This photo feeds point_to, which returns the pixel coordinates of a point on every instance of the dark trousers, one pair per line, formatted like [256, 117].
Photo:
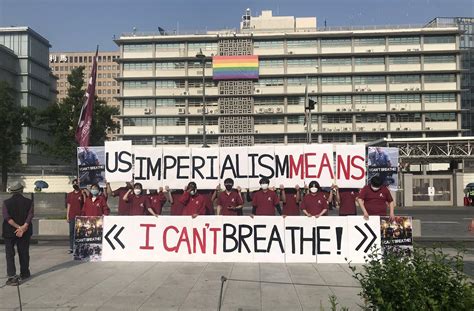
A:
[23, 248]
[71, 233]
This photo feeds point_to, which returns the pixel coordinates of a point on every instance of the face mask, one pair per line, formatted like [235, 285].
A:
[264, 186]
[375, 188]
[228, 187]
[76, 187]
[94, 192]
[313, 189]
[192, 192]
[137, 191]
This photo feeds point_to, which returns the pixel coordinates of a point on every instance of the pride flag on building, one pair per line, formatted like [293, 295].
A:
[243, 67]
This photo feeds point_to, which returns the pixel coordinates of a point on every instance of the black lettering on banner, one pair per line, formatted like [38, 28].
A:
[107, 167]
[120, 159]
[229, 236]
[320, 252]
[141, 168]
[237, 164]
[168, 166]
[196, 167]
[242, 237]
[182, 166]
[264, 165]
[293, 238]
[282, 167]
[252, 157]
[275, 236]
[213, 158]
[312, 239]
[228, 165]
[256, 238]
[154, 169]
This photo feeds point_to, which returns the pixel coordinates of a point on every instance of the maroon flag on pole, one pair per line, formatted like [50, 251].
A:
[84, 125]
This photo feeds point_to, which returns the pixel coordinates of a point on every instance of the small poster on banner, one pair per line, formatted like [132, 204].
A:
[91, 166]
[383, 162]
[397, 233]
[88, 238]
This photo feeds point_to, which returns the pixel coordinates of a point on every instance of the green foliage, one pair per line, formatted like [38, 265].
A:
[61, 120]
[427, 280]
[12, 119]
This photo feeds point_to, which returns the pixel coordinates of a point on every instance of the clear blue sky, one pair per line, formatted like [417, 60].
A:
[72, 25]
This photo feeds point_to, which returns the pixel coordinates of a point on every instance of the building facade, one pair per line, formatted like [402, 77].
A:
[368, 84]
[24, 65]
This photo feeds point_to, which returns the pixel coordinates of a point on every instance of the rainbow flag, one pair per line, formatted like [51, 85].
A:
[235, 67]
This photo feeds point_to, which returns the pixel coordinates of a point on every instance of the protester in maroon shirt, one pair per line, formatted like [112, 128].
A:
[210, 196]
[123, 206]
[95, 205]
[291, 198]
[158, 199]
[229, 201]
[314, 203]
[346, 198]
[265, 200]
[139, 201]
[193, 202]
[176, 206]
[74, 202]
[374, 199]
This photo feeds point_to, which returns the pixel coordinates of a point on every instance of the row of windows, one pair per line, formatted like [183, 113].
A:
[167, 121]
[81, 59]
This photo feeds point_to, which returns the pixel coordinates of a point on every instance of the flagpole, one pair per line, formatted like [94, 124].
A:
[307, 112]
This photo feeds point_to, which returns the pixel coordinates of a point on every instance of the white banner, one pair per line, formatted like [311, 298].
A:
[176, 167]
[205, 176]
[148, 167]
[350, 166]
[118, 161]
[240, 239]
[318, 164]
[234, 164]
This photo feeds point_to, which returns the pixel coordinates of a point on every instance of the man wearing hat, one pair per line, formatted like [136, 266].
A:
[17, 216]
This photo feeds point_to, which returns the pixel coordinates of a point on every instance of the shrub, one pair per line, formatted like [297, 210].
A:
[426, 280]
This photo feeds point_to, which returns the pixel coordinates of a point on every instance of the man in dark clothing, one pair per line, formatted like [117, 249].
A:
[17, 216]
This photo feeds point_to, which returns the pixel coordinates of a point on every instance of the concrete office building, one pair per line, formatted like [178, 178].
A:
[369, 83]
[24, 65]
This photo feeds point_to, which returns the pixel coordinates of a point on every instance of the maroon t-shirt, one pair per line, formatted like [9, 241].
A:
[123, 206]
[375, 201]
[209, 204]
[314, 203]
[156, 202]
[231, 199]
[290, 207]
[265, 202]
[348, 204]
[193, 204]
[177, 207]
[98, 207]
[75, 200]
[139, 204]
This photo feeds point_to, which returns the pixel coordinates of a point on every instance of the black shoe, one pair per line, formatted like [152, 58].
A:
[12, 281]
[24, 277]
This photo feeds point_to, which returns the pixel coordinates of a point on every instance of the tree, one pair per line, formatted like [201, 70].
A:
[12, 119]
[62, 118]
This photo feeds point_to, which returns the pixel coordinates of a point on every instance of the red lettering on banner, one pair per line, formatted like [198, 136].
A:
[215, 230]
[294, 168]
[147, 236]
[184, 238]
[197, 238]
[308, 166]
[359, 167]
[325, 163]
[343, 167]
[165, 243]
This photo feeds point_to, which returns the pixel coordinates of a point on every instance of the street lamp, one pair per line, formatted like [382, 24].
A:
[200, 55]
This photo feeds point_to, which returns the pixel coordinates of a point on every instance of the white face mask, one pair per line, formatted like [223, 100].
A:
[375, 188]
[137, 191]
[264, 186]
[313, 189]
[192, 192]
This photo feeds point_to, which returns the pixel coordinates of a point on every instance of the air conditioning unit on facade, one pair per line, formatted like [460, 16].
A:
[261, 110]
[269, 110]
[279, 110]
[181, 110]
[147, 111]
[369, 51]
[290, 52]
[185, 93]
[211, 132]
[257, 91]
[256, 131]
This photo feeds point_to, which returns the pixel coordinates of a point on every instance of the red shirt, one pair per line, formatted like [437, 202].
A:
[95, 208]
[139, 204]
[290, 207]
[177, 207]
[209, 204]
[75, 200]
[193, 204]
[264, 202]
[231, 199]
[157, 201]
[123, 206]
[375, 202]
[314, 203]
[348, 204]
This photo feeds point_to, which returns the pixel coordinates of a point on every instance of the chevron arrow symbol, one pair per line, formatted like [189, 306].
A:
[116, 237]
[365, 238]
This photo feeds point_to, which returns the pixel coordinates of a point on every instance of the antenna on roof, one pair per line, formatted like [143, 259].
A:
[246, 19]
[134, 30]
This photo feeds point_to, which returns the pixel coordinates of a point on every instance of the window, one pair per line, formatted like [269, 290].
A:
[138, 84]
[301, 43]
[137, 122]
[404, 60]
[335, 80]
[335, 100]
[440, 116]
[371, 118]
[169, 65]
[139, 140]
[432, 59]
[405, 98]
[267, 120]
[270, 101]
[339, 138]
[170, 121]
[166, 84]
[170, 140]
[440, 98]
[297, 139]
[336, 118]
[439, 39]
[198, 65]
[137, 47]
[369, 80]
[405, 117]
[335, 42]
[302, 62]
[369, 61]
[295, 119]
[270, 82]
[438, 78]
[268, 44]
[198, 121]
[369, 41]
[403, 40]
[369, 99]
[269, 139]
[99, 83]
[169, 102]
[295, 101]
[275, 63]
[137, 66]
[302, 81]
[210, 46]
[336, 61]
[399, 79]
[168, 46]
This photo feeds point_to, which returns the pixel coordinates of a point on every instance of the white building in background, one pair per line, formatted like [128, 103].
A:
[369, 83]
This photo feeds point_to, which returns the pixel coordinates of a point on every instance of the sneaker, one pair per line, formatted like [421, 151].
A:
[24, 277]
[12, 281]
